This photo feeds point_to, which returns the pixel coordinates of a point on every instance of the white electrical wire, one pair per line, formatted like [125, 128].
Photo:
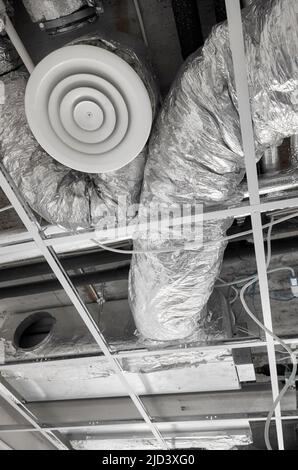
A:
[251, 280]
[241, 281]
[6, 208]
[269, 255]
[292, 355]
[292, 377]
[236, 296]
[269, 250]
[230, 237]
[234, 289]
[244, 330]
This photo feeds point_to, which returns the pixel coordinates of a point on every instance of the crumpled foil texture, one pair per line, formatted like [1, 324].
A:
[60, 195]
[196, 156]
[47, 10]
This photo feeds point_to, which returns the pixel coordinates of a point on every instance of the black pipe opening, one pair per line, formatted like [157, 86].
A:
[188, 24]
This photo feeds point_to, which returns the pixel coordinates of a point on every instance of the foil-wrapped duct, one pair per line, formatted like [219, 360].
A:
[294, 149]
[47, 10]
[196, 157]
[60, 195]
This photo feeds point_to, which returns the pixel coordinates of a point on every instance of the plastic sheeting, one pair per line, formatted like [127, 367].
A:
[196, 156]
[60, 195]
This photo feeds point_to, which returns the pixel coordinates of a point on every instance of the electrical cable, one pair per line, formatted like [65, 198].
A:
[241, 281]
[232, 287]
[135, 252]
[251, 281]
[228, 238]
[236, 296]
[279, 298]
[6, 208]
[292, 377]
[269, 256]
[244, 330]
[292, 355]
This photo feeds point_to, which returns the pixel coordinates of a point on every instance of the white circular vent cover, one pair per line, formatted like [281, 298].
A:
[88, 109]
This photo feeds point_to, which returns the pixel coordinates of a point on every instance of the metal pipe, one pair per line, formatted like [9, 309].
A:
[271, 185]
[70, 263]
[271, 162]
[15, 273]
[15, 39]
[53, 285]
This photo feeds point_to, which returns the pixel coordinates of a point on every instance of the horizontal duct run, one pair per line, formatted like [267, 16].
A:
[81, 261]
[54, 285]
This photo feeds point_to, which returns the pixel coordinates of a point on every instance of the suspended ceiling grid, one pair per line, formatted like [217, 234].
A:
[254, 209]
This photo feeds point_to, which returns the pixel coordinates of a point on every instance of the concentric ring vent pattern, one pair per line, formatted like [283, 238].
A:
[88, 109]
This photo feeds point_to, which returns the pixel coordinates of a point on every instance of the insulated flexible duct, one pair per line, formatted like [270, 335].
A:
[61, 195]
[47, 10]
[196, 157]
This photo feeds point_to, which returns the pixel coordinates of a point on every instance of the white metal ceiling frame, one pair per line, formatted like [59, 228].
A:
[255, 209]
[241, 78]
[23, 242]
[12, 398]
[214, 423]
[50, 256]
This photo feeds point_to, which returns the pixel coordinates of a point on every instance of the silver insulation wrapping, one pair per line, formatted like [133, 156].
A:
[51, 9]
[196, 156]
[61, 195]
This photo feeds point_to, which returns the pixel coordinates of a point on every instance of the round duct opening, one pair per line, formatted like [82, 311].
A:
[34, 331]
[88, 109]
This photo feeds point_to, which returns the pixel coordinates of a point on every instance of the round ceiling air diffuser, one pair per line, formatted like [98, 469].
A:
[88, 109]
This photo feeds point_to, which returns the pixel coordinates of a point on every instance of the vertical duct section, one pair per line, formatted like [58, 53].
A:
[196, 157]
[271, 162]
